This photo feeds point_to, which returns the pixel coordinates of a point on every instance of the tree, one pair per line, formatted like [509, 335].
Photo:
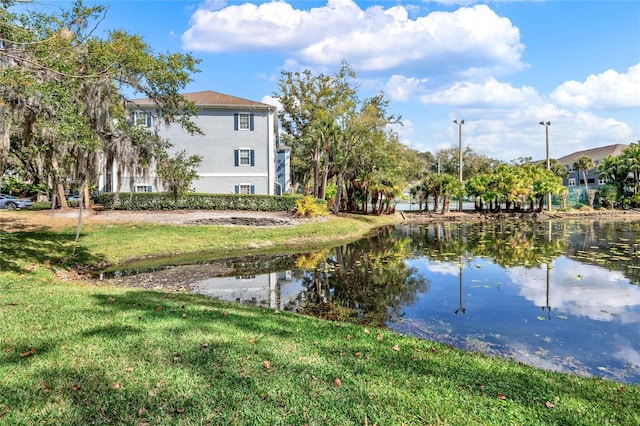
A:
[631, 164]
[61, 93]
[583, 164]
[178, 173]
[311, 108]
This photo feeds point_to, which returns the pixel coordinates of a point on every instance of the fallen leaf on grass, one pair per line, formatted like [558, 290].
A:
[180, 410]
[380, 336]
[549, 404]
[158, 308]
[252, 341]
[358, 354]
[111, 299]
[366, 330]
[502, 396]
[128, 369]
[116, 386]
[204, 345]
[266, 364]
[338, 382]
[30, 352]
[396, 348]
[76, 387]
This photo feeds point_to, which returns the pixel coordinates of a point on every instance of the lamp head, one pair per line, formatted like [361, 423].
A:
[456, 122]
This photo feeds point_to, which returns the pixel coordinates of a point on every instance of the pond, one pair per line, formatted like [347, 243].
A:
[563, 296]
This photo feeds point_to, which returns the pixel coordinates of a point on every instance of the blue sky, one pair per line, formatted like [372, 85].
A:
[502, 66]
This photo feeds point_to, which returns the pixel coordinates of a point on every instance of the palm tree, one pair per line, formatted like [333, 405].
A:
[583, 164]
[631, 163]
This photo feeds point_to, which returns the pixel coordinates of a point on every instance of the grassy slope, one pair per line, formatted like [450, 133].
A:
[76, 354]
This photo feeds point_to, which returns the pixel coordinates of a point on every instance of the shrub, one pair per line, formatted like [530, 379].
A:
[194, 201]
[311, 207]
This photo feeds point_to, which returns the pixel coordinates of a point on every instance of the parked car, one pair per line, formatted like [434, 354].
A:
[11, 202]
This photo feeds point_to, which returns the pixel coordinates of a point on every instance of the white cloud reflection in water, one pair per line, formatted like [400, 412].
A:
[581, 290]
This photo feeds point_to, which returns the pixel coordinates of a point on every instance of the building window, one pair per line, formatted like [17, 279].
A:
[243, 121]
[244, 157]
[572, 181]
[571, 168]
[142, 188]
[245, 188]
[141, 118]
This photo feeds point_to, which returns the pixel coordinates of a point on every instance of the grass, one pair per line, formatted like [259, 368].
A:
[76, 354]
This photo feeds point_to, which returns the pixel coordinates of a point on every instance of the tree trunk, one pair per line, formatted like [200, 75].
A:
[316, 173]
[58, 187]
[336, 205]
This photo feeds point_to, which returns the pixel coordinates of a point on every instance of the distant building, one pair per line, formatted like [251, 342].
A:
[575, 178]
[239, 149]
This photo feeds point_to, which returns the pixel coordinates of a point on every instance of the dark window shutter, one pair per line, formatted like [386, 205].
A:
[148, 120]
[235, 122]
[253, 189]
[150, 188]
[253, 157]
[251, 123]
[236, 156]
[237, 189]
[133, 118]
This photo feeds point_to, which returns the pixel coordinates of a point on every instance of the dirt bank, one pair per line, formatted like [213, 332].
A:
[608, 215]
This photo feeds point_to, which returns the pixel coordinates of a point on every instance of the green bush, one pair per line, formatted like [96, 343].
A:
[194, 201]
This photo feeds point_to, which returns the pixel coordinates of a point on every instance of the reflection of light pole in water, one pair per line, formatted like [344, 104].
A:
[547, 307]
[461, 309]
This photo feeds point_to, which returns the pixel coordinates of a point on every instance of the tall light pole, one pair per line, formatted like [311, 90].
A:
[546, 128]
[459, 123]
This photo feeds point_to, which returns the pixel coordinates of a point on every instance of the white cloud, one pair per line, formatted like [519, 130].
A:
[469, 41]
[270, 100]
[608, 90]
[490, 93]
[401, 88]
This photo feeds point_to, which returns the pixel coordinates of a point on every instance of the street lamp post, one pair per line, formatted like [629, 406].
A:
[546, 128]
[459, 123]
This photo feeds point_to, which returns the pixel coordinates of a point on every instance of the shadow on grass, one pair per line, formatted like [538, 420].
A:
[19, 250]
[177, 358]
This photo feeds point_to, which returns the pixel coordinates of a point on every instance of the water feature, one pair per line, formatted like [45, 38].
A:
[562, 296]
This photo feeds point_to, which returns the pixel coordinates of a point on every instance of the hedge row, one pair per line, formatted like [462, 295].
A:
[194, 201]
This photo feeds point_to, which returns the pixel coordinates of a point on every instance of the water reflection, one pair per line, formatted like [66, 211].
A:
[561, 296]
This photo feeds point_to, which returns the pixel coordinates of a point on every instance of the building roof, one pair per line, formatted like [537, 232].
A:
[210, 99]
[595, 154]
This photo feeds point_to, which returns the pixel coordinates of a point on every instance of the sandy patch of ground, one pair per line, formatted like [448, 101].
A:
[14, 221]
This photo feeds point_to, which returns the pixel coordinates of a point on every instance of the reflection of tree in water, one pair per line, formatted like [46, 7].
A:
[508, 243]
[612, 245]
[366, 281]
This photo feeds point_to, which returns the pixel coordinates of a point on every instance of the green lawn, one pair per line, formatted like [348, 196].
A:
[77, 354]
